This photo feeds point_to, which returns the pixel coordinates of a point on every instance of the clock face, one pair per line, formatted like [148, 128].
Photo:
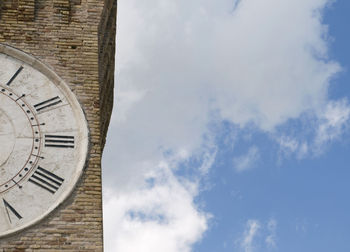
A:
[43, 140]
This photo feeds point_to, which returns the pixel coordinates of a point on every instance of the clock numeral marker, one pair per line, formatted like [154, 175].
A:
[59, 141]
[14, 76]
[46, 180]
[9, 207]
[48, 103]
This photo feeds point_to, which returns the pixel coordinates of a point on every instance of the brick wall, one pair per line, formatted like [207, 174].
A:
[106, 66]
[76, 38]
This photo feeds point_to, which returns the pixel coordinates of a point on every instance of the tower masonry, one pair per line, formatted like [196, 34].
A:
[57, 62]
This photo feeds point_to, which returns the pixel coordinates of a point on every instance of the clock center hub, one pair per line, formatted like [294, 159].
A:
[7, 137]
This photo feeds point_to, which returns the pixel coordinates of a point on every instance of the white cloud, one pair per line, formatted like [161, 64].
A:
[257, 235]
[159, 217]
[247, 161]
[333, 122]
[250, 233]
[290, 145]
[271, 238]
[182, 66]
[329, 124]
[273, 71]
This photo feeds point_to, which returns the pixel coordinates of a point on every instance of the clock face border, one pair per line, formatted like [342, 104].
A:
[82, 122]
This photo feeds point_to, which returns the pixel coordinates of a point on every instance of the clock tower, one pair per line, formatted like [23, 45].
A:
[56, 97]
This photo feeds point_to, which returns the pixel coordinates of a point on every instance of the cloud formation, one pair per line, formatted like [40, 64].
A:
[271, 239]
[324, 127]
[250, 233]
[159, 217]
[247, 161]
[183, 66]
[257, 236]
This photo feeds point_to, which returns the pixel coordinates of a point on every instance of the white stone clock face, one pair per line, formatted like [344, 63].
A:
[43, 140]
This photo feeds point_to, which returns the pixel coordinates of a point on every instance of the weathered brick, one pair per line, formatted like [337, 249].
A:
[76, 38]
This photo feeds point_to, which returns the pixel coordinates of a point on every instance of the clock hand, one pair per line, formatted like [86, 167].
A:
[37, 156]
[23, 95]
[41, 124]
[20, 187]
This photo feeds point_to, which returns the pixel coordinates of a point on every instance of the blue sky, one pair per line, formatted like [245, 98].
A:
[231, 127]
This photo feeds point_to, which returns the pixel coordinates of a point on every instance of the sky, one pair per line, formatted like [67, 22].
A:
[230, 130]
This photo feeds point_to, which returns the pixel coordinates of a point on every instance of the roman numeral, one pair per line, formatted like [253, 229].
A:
[9, 209]
[14, 76]
[59, 141]
[48, 103]
[46, 180]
